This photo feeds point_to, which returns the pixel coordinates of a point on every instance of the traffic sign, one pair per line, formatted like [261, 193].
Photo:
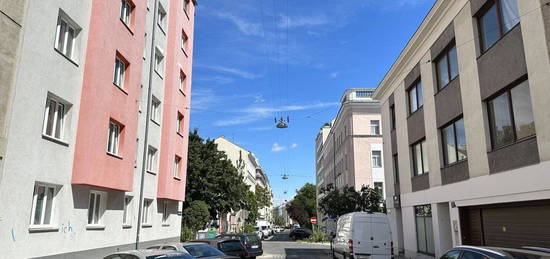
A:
[313, 220]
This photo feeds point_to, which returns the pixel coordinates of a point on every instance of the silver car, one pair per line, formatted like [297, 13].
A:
[149, 254]
[196, 250]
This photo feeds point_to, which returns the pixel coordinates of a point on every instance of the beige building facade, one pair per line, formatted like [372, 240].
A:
[466, 131]
[349, 149]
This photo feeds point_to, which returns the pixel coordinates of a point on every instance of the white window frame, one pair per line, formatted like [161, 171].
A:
[126, 12]
[119, 72]
[155, 110]
[161, 17]
[66, 26]
[177, 167]
[127, 211]
[147, 212]
[113, 138]
[60, 107]
[152, 159]
[165, 214]
[98, 208]
[44, 204]
[375, 128]
[183, 81]
[159, 61]
[377, 157]
[179, 126]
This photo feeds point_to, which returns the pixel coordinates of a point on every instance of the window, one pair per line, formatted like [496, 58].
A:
[151, 159]
[376, 158]
[114, 138]
[453, 139]
[125, 12]
[375, 127]
[54, 119]
[184, 39]
[497, 20]
[447, 67]
[424, 229]
[65, 36]
[120, 69]
[392, 117]
[177, 166]
[165, 213]
[155, 110]
[363, 94]
[453, 254]
[96, 207]
[179, 125]
[186, 7]
[396, 168]
[159, 62]
[43, 202]
[416, 99]
[380, 187]
[420, 158]
[183, 78]
[161, 17]
[147, 210]
[511, 116]
[126, 213]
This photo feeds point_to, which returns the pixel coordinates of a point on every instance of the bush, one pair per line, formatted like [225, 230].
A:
[187, 234]
[248, 229]
[318, 236]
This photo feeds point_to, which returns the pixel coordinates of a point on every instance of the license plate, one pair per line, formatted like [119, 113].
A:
[255, 246]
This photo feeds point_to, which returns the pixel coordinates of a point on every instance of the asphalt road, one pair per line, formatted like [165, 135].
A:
[280, 246]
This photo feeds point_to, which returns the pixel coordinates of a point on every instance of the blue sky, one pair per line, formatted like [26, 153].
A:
[259, 59]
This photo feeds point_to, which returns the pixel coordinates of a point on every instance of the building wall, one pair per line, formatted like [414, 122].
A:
[491, 179]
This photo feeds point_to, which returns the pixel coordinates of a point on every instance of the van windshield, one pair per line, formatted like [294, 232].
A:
[264, 227]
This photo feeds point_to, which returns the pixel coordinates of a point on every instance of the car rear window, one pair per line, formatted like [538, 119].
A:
[252, 240]
[202, 250]
[230, 246]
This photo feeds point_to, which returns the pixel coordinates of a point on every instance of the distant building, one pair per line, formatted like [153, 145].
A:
[348, 151]
[74, 80]
[468, 127]
[249, 167]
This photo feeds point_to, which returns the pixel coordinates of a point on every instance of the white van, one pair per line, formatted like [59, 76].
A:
[363, 235]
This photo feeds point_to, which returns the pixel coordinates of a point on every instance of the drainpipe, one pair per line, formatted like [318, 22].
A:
[147, 115]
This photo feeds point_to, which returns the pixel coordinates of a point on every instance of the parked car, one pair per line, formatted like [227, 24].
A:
[299, 233]
[197, 250]
[278, 229]
[149, 254]
[227, 246]
[251, 242]
[259, 233]
[474, 252]
[363, 235]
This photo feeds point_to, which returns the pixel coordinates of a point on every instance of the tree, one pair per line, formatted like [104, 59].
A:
[303, 206]
[251, 206]
[212, 178]
[337, 202]
[263, 197]
[279, 220]
[196, 215]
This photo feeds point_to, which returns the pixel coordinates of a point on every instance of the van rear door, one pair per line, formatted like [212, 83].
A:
[381, 243]
[362, 233]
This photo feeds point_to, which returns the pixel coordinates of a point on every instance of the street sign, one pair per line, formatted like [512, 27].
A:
[313, 220]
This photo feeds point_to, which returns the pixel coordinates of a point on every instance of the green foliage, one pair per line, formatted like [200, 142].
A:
[279, 220]
[318, 236]
[196, 215]
[303, 206]
[248, 228]
[187, 234]
[339, 202]
[263, 197]
[212, 178]
[251, 206]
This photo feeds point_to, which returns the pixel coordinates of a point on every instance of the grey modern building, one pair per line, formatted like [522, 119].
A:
[467, 128]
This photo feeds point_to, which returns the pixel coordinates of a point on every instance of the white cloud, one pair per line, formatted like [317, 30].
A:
[259, 98]
[302, 21]
[277, 148]
[294, 145]
[229, 70]
[216, 79]
[246, 27]
[334, 74]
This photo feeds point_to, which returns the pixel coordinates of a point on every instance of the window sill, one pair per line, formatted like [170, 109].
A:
[161, 28]
[417, 110]
[182, 92]
[120, 88]
[184, 52]
[187, 15]
[439, 90]
[127, 27]
[420, 175]
[148, 225]
[482, 52]
[159, 74]
[114, 155]
[494, 149]
[179, 134]
[126, 226]
[156, 122]
[455, 163]
[151, 172]
[58, 141]
[177, 178]
[95, 227]
[165, 224]
[38, 229]
[65, 56]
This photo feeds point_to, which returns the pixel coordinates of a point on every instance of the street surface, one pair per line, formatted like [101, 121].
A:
[280, 246]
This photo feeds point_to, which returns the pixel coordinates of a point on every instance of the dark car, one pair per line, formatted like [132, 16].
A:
[477, 252]
[251, 242]
[299, 233]
[227, 246]
[148, 254]
[196, 250]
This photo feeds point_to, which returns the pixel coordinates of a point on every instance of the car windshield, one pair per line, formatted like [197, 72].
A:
[264, 227]
[231, 246]
[252, 240]
[202, 250]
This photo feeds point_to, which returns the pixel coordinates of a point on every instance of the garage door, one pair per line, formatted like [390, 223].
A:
[507, 225]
